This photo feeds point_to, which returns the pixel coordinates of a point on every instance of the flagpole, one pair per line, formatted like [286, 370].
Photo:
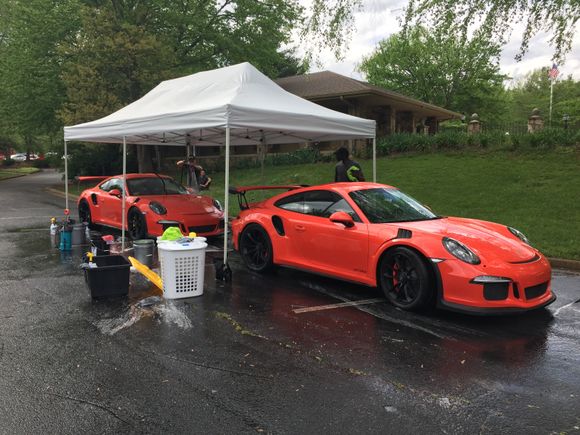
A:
[552, 73]
[551, 97]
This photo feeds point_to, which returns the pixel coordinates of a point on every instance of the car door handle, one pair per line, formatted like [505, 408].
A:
[300, 228]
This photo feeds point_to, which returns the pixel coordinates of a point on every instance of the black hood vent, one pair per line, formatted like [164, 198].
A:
[404, 234]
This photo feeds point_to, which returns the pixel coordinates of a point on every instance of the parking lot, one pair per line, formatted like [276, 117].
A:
[265, 353]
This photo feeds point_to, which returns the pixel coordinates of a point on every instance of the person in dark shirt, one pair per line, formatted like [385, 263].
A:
[204, 180]
[346, 169]
[193, 170]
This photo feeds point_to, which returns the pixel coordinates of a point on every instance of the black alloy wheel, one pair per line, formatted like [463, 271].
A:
[256, 248]
[137, 225]
[85, 214]
[406, 280]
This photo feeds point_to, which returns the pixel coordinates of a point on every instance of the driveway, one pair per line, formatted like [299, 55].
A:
[271, 354]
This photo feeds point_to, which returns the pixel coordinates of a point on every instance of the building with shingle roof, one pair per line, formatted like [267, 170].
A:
[393, 112]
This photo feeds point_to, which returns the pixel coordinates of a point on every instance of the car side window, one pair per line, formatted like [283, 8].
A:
[292, 203]
[117, 184]
[324, 203]
[114, 183]
[106, 186]
[320, 203]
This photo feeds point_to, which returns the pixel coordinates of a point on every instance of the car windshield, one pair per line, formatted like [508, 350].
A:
[383, 205]
[154, 186]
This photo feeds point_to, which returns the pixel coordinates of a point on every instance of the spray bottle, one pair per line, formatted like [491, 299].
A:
[53, 233]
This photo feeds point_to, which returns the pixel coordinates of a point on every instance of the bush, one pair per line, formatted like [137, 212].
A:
[298, 157]
[8, 162]
[41, 164]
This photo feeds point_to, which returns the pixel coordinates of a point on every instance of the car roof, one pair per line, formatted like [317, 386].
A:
[133, 176]
[348, 186]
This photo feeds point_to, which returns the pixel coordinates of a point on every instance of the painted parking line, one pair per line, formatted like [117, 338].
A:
[338, 305]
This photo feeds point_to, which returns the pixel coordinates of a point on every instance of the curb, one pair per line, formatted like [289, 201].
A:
[560, 263]
[61, 194]
[13, 176]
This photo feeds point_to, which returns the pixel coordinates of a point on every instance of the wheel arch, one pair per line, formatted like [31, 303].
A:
[264, 221]
[387, 248]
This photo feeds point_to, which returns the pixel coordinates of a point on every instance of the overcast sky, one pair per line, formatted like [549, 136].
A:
[379, 19]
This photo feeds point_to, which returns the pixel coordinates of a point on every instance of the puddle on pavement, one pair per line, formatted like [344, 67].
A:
[163, 310]
[145, 302]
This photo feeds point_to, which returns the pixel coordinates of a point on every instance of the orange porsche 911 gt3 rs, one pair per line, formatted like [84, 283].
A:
[376, 235]
[153, 202]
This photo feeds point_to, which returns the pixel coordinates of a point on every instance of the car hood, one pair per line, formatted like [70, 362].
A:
[487, 239]
[183, 204]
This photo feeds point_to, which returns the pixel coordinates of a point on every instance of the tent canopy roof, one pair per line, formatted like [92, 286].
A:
[197, 108]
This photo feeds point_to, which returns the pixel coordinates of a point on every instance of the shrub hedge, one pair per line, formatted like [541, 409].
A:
[449, 139]
[455, 140]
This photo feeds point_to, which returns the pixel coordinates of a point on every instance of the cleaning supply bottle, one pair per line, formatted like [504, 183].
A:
[53, 233]
[66, 237]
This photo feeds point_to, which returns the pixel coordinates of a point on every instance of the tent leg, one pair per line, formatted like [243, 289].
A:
[223, 272]
[65, 176]
[375, 158]
[123, 219]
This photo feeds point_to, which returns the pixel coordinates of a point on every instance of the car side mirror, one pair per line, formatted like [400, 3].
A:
[115, 192]
[342, 217]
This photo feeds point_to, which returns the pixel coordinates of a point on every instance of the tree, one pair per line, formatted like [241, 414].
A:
[126, 47]
[439, 68]
[495, 19]
[534, 91]
[31, 90]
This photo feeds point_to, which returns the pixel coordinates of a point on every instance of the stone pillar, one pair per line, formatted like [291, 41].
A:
[535, 121]
[474, 125]
[393, 121]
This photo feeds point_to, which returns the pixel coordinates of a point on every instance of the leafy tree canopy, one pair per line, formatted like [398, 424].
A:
[495, 19]
[439, 68]
[30, 89]
[534, 91]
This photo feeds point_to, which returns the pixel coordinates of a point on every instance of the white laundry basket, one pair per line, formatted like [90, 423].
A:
[182, 268]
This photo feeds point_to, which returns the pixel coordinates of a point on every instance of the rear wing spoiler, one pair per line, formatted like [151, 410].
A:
[87, 178]
[241, 192]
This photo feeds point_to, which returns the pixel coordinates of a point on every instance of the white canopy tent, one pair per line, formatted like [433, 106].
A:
[236, 105]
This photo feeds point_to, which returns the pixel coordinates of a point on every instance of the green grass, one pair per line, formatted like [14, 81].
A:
[16, 172]
[538, 193]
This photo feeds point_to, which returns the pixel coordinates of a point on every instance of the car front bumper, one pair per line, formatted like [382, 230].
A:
[520, 287]
[206, 227]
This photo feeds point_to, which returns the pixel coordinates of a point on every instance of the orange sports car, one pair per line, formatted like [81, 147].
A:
[376, 235]
[153, 202]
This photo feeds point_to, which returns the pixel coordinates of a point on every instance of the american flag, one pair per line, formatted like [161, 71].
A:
[553, 72]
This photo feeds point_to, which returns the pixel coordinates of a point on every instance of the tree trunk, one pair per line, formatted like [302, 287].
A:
[144, 158]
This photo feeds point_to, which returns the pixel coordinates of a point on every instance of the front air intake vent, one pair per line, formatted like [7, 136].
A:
[536, 291]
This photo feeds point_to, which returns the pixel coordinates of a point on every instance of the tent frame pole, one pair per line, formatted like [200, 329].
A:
[124, 218]
[375, 158]
[65, 175]
[226, 195]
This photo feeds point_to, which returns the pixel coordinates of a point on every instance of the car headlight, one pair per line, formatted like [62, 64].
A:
[157, 207]
[519, 235]
[460, 251]
[218, 205]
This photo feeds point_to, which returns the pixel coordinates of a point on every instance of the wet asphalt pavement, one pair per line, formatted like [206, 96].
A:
[239, 359]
